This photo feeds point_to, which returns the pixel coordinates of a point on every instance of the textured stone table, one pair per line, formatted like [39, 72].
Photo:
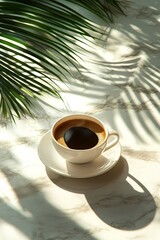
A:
[121, 87]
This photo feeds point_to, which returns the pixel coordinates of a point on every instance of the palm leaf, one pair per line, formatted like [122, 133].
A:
[39, 43]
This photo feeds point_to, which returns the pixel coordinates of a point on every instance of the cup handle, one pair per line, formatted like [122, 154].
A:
[114, 141]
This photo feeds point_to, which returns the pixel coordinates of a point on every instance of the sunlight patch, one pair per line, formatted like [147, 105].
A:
[9, 231]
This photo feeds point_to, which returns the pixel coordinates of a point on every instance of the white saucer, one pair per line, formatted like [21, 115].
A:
[51, 159]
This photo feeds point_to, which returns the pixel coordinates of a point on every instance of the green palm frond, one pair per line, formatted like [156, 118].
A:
[39, 42]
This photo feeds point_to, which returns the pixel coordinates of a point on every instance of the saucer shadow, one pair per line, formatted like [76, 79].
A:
[122, 207]
[112, 198]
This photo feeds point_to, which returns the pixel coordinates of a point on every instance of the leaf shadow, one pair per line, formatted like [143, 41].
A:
[121, 74]
[26, 210]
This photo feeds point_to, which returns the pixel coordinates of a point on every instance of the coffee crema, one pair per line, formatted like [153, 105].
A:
[94, 136]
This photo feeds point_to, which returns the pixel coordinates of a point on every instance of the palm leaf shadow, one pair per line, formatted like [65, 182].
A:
[37, 216]
[131, 82]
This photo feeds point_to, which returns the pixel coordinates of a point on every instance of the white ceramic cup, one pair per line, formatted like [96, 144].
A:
[83, 155]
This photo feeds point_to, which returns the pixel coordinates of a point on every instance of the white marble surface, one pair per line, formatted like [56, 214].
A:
[122, 87]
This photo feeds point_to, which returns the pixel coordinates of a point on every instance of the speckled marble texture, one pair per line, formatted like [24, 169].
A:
[121, 87]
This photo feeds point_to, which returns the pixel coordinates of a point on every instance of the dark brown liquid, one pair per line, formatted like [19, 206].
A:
[78, 140]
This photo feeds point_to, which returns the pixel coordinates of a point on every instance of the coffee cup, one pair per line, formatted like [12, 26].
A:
[80, 138]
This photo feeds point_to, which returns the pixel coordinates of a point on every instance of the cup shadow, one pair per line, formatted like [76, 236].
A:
[113, 196]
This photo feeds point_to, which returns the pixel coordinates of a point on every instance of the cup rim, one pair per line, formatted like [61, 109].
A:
[60, 120]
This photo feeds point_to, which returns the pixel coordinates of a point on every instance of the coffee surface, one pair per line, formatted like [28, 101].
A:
[80, 138]
[61, 131]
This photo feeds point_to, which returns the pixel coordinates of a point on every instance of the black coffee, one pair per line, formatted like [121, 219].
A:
[80, 138]
[79, 134]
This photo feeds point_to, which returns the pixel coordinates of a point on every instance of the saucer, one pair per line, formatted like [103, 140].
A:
[51, 159]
